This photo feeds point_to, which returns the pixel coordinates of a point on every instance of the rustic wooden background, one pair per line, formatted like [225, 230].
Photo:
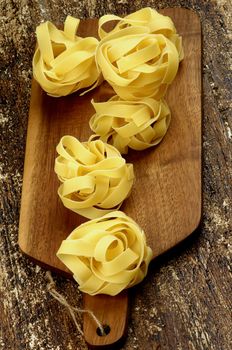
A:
[185, 302]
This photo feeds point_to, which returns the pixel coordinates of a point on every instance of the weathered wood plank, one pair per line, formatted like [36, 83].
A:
[185, 301]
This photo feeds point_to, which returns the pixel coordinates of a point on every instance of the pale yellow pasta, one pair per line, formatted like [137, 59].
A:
[146, 17]
[137, 64]
[95, 178]
[63, 62]
[106, 255]
[134, 124]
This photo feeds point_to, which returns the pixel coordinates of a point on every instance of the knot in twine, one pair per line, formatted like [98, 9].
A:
[95, 177]
[134, 124]
[51, 287]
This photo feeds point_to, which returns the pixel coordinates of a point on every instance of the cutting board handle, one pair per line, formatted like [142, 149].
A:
[112, 312]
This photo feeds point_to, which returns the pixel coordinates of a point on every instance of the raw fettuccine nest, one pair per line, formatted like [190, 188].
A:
[154, 22]
[106, 255]
[63, 62]
[135, 124]
[136, 63]
[140, 56]
[95, 177]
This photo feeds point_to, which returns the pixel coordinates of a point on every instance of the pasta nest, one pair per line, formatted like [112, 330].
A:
[153, 21]
[134, 124]
[140, 56]
[63, 62]
[106, 255]
[95, 177]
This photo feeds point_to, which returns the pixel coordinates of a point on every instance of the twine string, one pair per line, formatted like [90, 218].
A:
[51, 287]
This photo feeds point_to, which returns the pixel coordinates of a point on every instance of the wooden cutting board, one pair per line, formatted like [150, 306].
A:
[166, 197]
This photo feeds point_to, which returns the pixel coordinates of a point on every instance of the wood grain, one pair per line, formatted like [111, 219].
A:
[166, 197]
[112, 312]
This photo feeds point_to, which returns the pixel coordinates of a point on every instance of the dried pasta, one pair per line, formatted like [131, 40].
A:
[63, 62]
[134, 124]
[155, 22]
[95, 177]
[106, 255]
[136, 63]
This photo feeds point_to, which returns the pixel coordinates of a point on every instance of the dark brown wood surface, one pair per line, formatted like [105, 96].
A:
[185, 301]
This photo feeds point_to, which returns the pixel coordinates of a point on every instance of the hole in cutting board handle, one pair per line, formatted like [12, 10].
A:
[106, 328]
[111, 311]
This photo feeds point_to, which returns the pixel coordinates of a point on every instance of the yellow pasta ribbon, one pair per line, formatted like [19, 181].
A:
[95, 178]
[155, 22]
[106, 255]
[137, 64]
[135, 124]
[63, 62]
